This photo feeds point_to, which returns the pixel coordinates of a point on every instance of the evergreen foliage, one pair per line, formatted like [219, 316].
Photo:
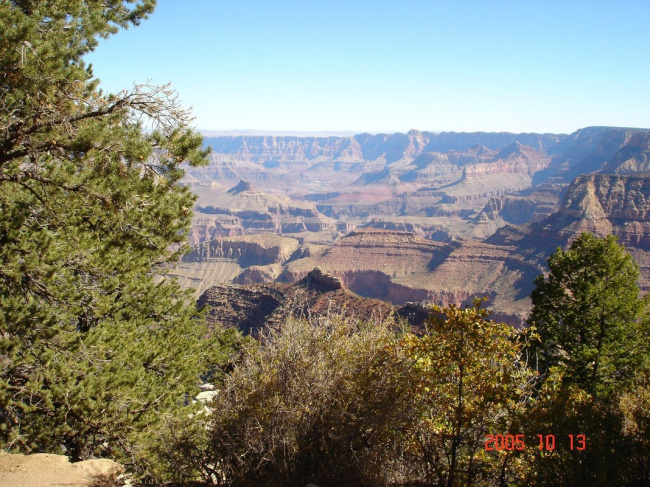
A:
[93, 351]
[593, 356]
[589, 316]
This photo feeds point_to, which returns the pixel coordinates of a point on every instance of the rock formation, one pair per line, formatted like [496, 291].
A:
[245, 209]
[602, 204]
[251, 307]
[320, 281]
[492, 207]
[261, 249]
[310, 184]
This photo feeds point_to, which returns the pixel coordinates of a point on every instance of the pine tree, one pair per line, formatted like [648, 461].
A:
[593, 349]
[589, 315]
[94, 352]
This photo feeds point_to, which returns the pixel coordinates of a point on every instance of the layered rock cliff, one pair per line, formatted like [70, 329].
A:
[604, 204]
[585, 151]
[248, 250]
[496, 211]
[400, 267]
[245, 209]
[633, 157]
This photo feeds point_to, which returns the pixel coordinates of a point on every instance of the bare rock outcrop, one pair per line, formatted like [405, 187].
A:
[518, 210]
[243, 186]
[400, 267]
[256, 275]
[586, 151]
[321, 281]
[245, 209]
[251, 307]
[602, 204]
[509, 209]
[366, 175]
[492, 202]
[633, 157]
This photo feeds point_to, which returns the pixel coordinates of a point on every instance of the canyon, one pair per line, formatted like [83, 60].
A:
[411, 218]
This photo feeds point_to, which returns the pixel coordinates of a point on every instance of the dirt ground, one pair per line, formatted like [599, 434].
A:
[45, 470]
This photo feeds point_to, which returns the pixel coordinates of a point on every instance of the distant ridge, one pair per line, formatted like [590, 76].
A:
[277, 133]
[412, 132]
[366, 147]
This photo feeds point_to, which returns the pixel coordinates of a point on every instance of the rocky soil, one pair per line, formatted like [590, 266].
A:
[44, 470]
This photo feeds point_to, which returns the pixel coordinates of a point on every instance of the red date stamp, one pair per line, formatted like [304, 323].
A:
[544, 442]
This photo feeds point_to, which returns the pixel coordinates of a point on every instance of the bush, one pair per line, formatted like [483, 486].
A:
[323, 401]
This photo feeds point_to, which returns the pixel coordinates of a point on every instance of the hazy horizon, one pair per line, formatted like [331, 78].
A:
[343, 133]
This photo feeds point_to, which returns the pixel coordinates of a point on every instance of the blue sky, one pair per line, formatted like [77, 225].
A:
[392, 66]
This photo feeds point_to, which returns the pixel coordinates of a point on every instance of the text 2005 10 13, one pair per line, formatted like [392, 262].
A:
[544, 442]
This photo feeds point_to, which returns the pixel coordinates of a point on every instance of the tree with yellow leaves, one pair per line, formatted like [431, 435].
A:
[473, 382]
